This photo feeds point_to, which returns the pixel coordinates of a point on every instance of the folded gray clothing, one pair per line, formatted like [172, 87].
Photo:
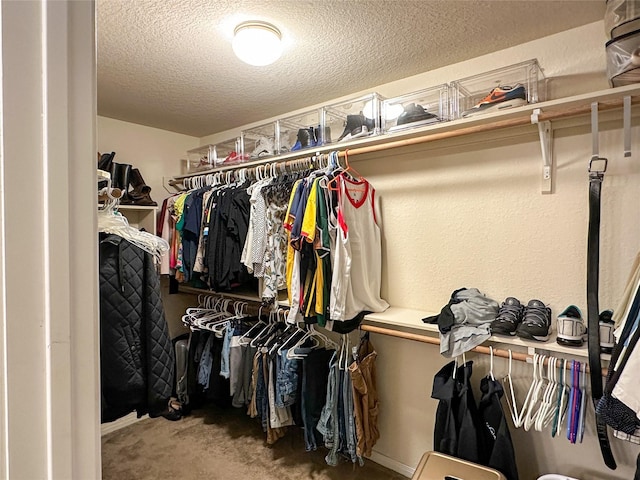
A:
[473, 313]
[474, 308]
[463, 338]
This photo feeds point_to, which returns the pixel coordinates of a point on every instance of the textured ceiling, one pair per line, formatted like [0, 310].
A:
[169, 63]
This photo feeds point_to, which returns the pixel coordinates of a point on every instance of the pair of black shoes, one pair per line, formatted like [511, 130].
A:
[123, 176]
[415, 113]
[357, 126]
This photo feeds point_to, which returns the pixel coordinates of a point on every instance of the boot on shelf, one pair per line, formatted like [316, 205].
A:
[105, 161]
[120, 173]
[141, 192]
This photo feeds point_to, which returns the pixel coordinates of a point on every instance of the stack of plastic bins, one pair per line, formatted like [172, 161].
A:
[416, 109]
[229, 152]
[350, 119]
[201, 158]
[298, 132]
[499, 89]
[260, 142]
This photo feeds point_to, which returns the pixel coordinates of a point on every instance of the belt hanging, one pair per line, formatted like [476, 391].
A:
[597, 168]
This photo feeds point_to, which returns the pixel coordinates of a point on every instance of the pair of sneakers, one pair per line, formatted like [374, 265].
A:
[572, 330]
[531, 322]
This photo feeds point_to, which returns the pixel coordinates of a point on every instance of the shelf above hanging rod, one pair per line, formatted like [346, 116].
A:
[553, 110]
[498, 352]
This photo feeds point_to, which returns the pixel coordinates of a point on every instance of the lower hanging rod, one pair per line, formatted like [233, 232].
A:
[497, 352]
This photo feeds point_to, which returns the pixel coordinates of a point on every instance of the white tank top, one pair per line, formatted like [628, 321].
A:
[357, 265]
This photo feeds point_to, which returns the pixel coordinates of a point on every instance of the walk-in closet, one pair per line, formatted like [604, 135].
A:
[343, 239]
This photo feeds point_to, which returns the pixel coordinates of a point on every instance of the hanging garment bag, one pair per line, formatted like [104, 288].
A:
[597, 168]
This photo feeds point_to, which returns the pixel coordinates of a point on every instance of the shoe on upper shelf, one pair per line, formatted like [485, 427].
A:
[499, 98]
[536, 322]
[508, 318]
[414, 113]
[571, 328]
[264, 148]
[607, 326]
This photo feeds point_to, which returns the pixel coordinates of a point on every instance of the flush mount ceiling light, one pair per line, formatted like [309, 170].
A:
[257, 43]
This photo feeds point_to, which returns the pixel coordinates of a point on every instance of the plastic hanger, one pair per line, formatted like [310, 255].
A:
[528, 409]
[491, 363]
[583, 402]
[511, 397]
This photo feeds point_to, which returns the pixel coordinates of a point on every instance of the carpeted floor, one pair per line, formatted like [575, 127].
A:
[220, 444]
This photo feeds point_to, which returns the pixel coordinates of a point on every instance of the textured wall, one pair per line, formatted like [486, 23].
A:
[456, 216]
[155, 152]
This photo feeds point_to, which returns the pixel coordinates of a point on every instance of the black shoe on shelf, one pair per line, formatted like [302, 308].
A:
[508, 318]
[536, 322]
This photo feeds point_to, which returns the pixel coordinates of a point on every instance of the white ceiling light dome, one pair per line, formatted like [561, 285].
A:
[257, 43]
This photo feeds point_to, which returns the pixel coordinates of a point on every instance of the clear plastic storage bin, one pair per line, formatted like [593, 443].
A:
[229, 152]
[201, 158]
[498, 89]
[350, 119]
[416, 109]
[299, 132]
[259, 142]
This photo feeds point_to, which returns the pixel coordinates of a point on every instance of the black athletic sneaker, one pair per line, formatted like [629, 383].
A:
[536, 322]
[508, 318]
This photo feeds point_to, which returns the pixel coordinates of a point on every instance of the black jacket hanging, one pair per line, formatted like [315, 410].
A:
[495, 436]
[136, 354]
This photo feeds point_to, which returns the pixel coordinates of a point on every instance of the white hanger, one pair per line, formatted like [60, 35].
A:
[491, 363]
[511, 398]
[546, 411]
[531, 401]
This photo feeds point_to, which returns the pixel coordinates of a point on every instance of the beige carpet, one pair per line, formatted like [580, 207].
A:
[219, 444]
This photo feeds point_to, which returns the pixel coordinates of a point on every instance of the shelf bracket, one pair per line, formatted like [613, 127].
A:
[546, 146]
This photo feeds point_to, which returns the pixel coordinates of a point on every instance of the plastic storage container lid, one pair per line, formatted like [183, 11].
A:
[437, 466]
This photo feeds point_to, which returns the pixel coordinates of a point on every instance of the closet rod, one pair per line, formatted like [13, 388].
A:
[487, 127]
[497, 352]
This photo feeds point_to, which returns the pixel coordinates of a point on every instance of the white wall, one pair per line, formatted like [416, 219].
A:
[156, 153]
[470, 213]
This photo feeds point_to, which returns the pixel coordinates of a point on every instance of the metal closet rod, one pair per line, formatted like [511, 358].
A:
[497, 352]
[487, 127]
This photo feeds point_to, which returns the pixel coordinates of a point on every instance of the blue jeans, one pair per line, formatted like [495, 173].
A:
[315, 371]
[286, 380]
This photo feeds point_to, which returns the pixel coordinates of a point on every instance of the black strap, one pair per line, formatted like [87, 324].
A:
[593, 313]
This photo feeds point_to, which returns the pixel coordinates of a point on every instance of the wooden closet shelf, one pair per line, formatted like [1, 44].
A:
[552, 110]
[407, 323]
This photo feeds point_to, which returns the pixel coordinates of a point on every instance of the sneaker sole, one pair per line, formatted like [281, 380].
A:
[515, 102]
[529, 336]
[570, 342]
[499, 331]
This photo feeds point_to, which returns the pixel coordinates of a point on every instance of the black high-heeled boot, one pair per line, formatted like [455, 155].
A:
[354, 122]
[120, 173]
